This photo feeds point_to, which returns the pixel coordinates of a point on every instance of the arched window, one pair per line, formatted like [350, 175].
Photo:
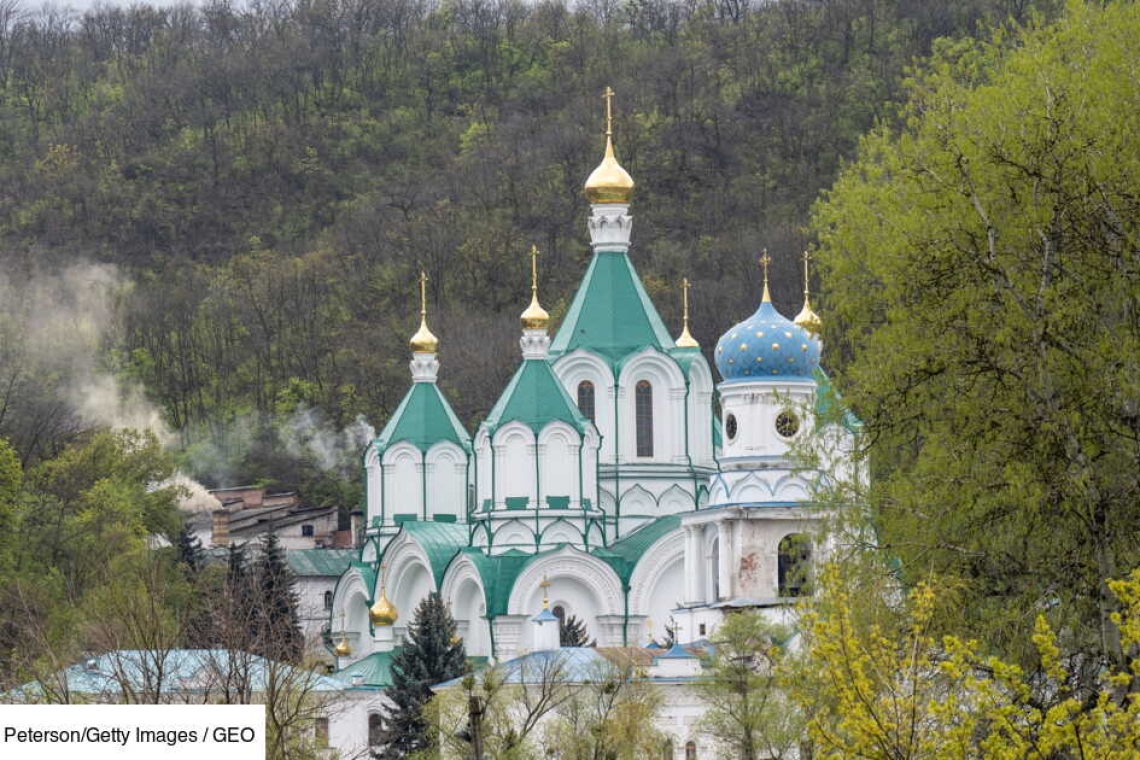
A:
[691, 751]
[321, 731]
[667, 750]
[794, 565]
[328, 600]
[714, 568]
[643, 407]
[586, 400]
[375, 729]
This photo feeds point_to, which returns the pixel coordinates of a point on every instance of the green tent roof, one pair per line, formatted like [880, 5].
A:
[611, 314]
[829, 405]
[376, 669]
[624, 555]
[423, 419]
[316, 562]
[440, 541]
[534, 397]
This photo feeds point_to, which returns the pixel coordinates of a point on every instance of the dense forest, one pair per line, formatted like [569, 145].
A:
[211, 216]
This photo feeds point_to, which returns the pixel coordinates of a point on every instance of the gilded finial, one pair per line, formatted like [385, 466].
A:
[544, 585]
[342, 649]
[609, 183]
[765, 260]
[686, 340]
[382, 612]
[423, 342]
[535, 317]
[807, 318]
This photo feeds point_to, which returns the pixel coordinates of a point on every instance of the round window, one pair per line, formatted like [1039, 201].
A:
[730, 426]
[787, 424]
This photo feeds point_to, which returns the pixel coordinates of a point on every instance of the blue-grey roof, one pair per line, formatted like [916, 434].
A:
[182, 671]
[676, 652]
[545, 616]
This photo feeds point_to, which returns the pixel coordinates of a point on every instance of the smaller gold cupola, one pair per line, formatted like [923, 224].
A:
[382, 612]
[535, 317]
[342, 649]
[609, 183]
[807, 318]
[686, 339]
[424, 342]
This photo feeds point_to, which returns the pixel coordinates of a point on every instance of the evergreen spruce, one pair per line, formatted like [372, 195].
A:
[572, 633]
[190, 552]
[432, 653]
[278, 626]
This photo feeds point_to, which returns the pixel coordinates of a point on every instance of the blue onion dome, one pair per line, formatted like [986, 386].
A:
[767, 345]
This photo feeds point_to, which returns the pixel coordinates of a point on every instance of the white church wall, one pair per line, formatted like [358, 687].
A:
[514, 463]
[373, 475]
[403, 483]
[447, 481]
[578, 366]
[668, 386]
[558, 449]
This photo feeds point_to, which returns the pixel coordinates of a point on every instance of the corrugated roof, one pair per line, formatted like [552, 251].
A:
[423, 419]
[498, 573]
[535, 398]
[624, 555]
[611, 314]
[319, 562]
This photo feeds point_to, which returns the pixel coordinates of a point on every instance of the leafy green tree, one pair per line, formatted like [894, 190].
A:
[982, 279]
[431, 654]
[747, 709]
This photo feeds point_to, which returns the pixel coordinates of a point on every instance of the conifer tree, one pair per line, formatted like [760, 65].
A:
[190, 552]
[572, 633]
[278, 626]
[432, 653]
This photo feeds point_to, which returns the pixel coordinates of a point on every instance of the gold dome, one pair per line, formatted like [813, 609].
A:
[535, 317]
[382, 611]
[809, 320]
[342, 649]
[609, 183]
[423, 342]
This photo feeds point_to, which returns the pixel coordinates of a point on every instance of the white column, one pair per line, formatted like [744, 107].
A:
[693, 562]
[727, 557]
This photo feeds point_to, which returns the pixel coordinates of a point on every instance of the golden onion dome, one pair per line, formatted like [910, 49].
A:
[609, 183]
[535, 317]
[809, 320]
[686, 339]
[382, 611]
[342, 649]
[424, 342]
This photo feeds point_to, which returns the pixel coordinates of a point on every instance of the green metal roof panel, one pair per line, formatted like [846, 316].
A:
[423, 419]
[318, 562]
[624, 555]
[440, 542]
[498, 573]
[376, 669]
[829, 405]
[611, 314]
[535, 398]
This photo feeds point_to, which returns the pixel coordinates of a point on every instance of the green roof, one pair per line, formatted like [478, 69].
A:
[624, 555]
[829, 405]
[376, 669]
[310, 562]
[440, 541]
[423, 419]
[534, 397]
[611, 314]
[498, 573]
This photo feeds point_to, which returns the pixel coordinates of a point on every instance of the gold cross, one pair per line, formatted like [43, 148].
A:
[609, 98]
[423, 293]
[807, 277]
[534, 269]
[765, 260]
[545, 584]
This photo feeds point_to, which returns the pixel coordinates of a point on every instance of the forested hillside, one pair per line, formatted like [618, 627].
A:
[248, 190]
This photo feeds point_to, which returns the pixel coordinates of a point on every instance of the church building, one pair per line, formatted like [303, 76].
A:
[604, 477]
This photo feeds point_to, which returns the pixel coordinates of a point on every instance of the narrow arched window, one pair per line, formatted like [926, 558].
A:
[643, 402]
[328, 600]
[586, 399]
[714, 568]
[794, 565]
[375, 729]
[691, 751]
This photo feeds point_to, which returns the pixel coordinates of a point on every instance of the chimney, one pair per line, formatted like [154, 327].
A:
[356, 524]
[221, 527]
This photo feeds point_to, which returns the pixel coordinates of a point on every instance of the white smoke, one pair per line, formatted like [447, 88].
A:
[307, 434]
